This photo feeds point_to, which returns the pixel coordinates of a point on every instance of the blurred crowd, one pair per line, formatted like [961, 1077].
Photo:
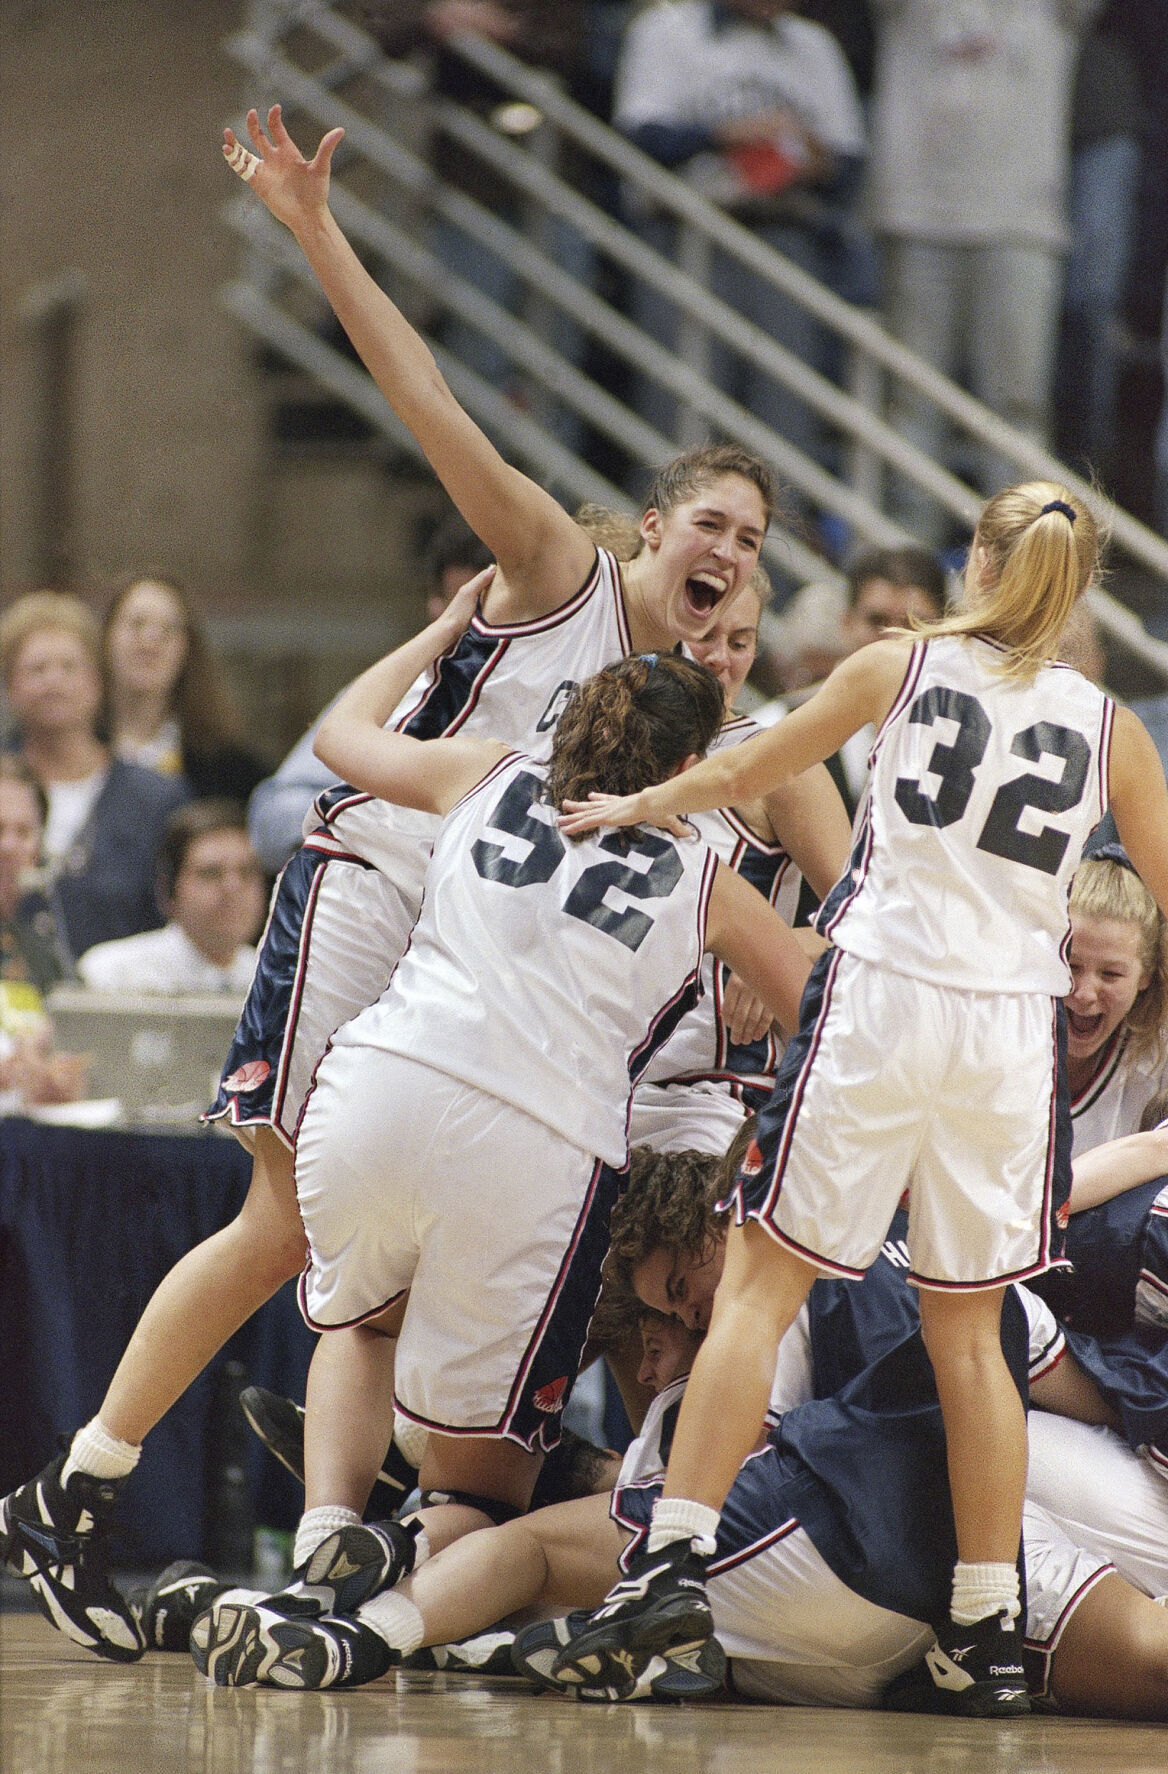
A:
[973, 170]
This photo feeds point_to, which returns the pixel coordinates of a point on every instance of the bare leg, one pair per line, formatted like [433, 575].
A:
[762, 1288]
[985, 1424]
[208, 1294]
[485, 1466]
[562, 1557]
[348, 1415]
[1112, 1658]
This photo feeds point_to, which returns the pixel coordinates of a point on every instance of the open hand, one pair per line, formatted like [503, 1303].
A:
[293, 188]
[578, 817]
[465, 601]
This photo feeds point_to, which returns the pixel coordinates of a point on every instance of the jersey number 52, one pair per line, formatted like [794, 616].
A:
[586, 900]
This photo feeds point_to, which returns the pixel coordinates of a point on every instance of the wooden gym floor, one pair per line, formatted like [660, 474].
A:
[65, 1712]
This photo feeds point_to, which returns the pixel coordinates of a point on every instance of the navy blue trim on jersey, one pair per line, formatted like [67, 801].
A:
[749, 1066]
[543, 1385]
[1110, 1061]
[688, 994]
[755, 1191]
[255, 1072]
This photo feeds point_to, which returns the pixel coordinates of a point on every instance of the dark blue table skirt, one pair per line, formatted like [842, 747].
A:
[89, 1225]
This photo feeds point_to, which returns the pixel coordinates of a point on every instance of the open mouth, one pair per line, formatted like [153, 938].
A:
[1085, 1028]
[704, 592]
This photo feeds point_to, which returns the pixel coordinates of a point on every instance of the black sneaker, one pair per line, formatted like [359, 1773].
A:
[169, 1606]
[687, 1672]
[58, 1539]
[660, 1607]
[240, 1646]
[279, 1423]
[487, 1654]
[347, 1568]
[971, 1672]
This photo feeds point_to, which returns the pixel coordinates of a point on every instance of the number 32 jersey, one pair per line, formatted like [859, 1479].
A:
[545, 972]
[983, 791]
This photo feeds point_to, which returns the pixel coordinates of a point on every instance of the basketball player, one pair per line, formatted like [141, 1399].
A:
[534, 1031]
[967, 856]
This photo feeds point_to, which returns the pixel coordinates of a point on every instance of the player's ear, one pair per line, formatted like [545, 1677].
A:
[688, 763]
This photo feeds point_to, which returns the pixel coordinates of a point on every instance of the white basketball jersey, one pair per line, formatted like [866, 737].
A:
[507, 682]
[983, 791]
[701, 1049]
[1112, 1104]
[546, 972]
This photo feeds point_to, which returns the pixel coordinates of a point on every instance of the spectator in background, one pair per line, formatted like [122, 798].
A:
[211, 887]
[758, 110]
[1107, 120]
[553, 37]
[33, 955]
[33, 950]
[969, 176]
[167, 707]
[106, 816]
[277, 808]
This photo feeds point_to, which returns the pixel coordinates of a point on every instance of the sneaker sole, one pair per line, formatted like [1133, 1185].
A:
[350, 1566]
[688, 1672]
[617, 1654]
[92, 1635]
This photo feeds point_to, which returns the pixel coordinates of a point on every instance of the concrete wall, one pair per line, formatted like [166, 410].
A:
[111, 114]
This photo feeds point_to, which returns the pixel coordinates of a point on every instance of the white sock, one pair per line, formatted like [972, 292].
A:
[315, 1527]
[982, 1590]
[677, 1518]
[394, 1619]
[95, 1451]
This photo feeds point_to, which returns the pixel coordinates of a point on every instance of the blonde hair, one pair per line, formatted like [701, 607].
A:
[1036, 562]
[621, 535]
[38, 610]
[1103, 888]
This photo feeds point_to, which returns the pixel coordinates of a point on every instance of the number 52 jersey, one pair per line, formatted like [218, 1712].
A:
[983, 791]
[546, 972]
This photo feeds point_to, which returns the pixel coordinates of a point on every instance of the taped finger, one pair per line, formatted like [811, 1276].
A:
[241, 161]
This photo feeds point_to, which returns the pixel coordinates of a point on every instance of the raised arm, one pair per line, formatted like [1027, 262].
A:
[862, 688]
[543, 556]
[429, 774]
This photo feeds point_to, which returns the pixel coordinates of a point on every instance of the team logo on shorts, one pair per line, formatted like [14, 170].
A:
[752, 1163]
[249, 1077]
[1063, 1216]
[550, 1398]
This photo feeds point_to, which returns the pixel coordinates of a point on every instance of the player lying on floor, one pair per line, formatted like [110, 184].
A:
[825, 1580]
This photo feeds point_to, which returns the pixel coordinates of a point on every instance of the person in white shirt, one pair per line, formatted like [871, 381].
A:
[211, 887]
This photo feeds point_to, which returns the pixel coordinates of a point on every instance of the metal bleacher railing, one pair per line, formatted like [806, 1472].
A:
[326, 69]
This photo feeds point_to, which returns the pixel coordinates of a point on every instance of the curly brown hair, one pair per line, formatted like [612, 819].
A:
[632, 725]
[669, 1202]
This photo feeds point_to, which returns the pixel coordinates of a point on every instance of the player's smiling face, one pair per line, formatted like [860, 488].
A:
[681, 1284]
[1107, 976]
[704, 551]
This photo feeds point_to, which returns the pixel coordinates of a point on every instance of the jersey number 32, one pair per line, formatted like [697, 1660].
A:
[956, 763]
